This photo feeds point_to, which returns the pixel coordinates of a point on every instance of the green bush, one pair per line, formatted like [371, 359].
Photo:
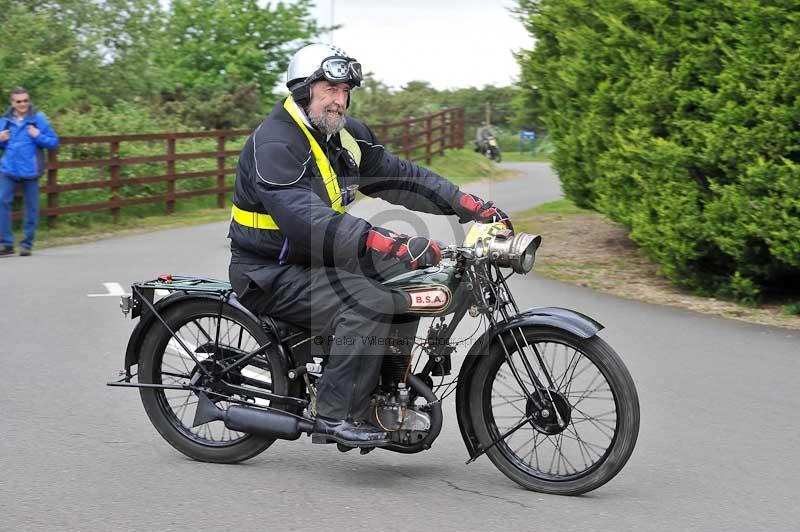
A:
[681, 121]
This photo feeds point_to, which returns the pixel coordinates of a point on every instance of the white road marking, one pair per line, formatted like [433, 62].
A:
[112, 289]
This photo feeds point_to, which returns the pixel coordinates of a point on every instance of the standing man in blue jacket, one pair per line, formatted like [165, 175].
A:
[24, 135]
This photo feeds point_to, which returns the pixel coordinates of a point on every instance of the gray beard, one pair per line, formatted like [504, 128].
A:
[326, 124]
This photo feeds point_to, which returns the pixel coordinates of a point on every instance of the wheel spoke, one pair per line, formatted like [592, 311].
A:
[590, 391]
[576, 357]
[200, 329]
[599, 425]
[511, 403]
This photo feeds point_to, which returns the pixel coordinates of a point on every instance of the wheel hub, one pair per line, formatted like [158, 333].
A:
[213, 367]
[546, 419]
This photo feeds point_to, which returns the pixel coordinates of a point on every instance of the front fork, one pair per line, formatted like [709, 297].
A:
[542, 398]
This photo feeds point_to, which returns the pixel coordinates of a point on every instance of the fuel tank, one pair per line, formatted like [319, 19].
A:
[429, 292]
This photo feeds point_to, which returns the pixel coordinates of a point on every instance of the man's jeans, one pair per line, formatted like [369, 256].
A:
[30, 190]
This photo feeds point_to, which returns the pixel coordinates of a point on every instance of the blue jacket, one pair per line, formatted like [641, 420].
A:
[23, 155]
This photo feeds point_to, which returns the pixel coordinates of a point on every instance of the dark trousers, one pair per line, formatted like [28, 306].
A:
[344, 302]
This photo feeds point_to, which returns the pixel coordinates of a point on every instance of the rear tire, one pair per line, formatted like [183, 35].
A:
[163, 361]
[602, 420]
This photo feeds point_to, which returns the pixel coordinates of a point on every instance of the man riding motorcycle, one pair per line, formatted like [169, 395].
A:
[296, 253]
[484, 133]
[486, 143]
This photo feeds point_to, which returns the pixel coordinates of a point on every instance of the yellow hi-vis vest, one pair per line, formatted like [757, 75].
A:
[265, 221]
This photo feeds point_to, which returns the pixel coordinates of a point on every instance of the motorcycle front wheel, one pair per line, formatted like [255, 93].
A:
[164, 361]
[588, 428]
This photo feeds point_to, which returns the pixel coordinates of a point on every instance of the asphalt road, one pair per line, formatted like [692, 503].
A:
[717, 451]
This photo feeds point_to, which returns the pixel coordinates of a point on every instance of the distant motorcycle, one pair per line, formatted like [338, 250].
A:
[542, 395]
[489, 148]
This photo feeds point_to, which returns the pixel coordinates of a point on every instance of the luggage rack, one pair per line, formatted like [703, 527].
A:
[185, 282]
[144, 292]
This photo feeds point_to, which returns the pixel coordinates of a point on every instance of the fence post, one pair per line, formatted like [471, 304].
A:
[115, 183]
[381, 131]
[428, 139]
[452, 135]
[170, 175]
[52, 183]
[460, 128]
[442, 133]
[407, 139]
[221, 171]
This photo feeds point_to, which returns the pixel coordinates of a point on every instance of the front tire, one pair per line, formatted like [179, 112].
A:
[163, 361]
[593, 392]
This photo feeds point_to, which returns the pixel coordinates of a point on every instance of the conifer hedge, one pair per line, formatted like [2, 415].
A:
[681, 120]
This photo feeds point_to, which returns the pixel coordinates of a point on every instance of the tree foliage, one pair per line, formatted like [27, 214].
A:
[208, 62]
[375, 102]
[200, 63]
[680, 120]
[223, 59]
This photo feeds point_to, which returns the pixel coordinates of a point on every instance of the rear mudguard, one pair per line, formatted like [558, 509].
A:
[148, 320]
[547, 317]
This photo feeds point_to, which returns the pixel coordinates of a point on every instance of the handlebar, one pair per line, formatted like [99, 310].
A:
[451, 251]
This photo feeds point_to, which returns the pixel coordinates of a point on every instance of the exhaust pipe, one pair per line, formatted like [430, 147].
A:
[252, 420]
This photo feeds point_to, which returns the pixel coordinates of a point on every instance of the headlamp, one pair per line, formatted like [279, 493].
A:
[515, 251]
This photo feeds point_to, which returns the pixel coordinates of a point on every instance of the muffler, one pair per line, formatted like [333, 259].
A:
[252, 420]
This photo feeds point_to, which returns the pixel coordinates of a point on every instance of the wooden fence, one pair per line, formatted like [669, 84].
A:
[414, 139]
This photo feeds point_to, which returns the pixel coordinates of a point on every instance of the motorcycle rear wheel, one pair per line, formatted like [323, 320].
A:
[163, 361]
[602, 419]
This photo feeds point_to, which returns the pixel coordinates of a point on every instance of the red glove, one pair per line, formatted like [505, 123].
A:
[416, 251]
[471, 208]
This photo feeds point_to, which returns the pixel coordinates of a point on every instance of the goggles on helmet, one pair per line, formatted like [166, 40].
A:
[341, 70]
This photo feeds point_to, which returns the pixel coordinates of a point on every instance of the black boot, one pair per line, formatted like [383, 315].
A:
[352, 434]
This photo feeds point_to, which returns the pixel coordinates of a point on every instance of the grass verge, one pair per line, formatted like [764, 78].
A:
[585, 248]
[465, 165]
[525, 157]
[65, 234]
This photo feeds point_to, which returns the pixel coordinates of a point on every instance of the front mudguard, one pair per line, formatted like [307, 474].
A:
[148, 320]
[548, 317]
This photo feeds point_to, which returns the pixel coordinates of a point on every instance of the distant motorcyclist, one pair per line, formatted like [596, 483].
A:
[486, 142]
[298, 256]
[484, 133]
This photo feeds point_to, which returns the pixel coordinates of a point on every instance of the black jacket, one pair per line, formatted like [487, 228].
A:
[277, 175]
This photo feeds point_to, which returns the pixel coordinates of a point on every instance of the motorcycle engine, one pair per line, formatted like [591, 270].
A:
[394, 408]
[400, 417]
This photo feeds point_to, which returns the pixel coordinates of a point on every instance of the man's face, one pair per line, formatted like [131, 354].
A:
[328, 105]
[21, 103]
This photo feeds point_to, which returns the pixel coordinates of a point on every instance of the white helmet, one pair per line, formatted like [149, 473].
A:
[320, 61]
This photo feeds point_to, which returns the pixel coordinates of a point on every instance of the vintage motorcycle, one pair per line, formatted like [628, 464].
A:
[542, 395]
[489, 148]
